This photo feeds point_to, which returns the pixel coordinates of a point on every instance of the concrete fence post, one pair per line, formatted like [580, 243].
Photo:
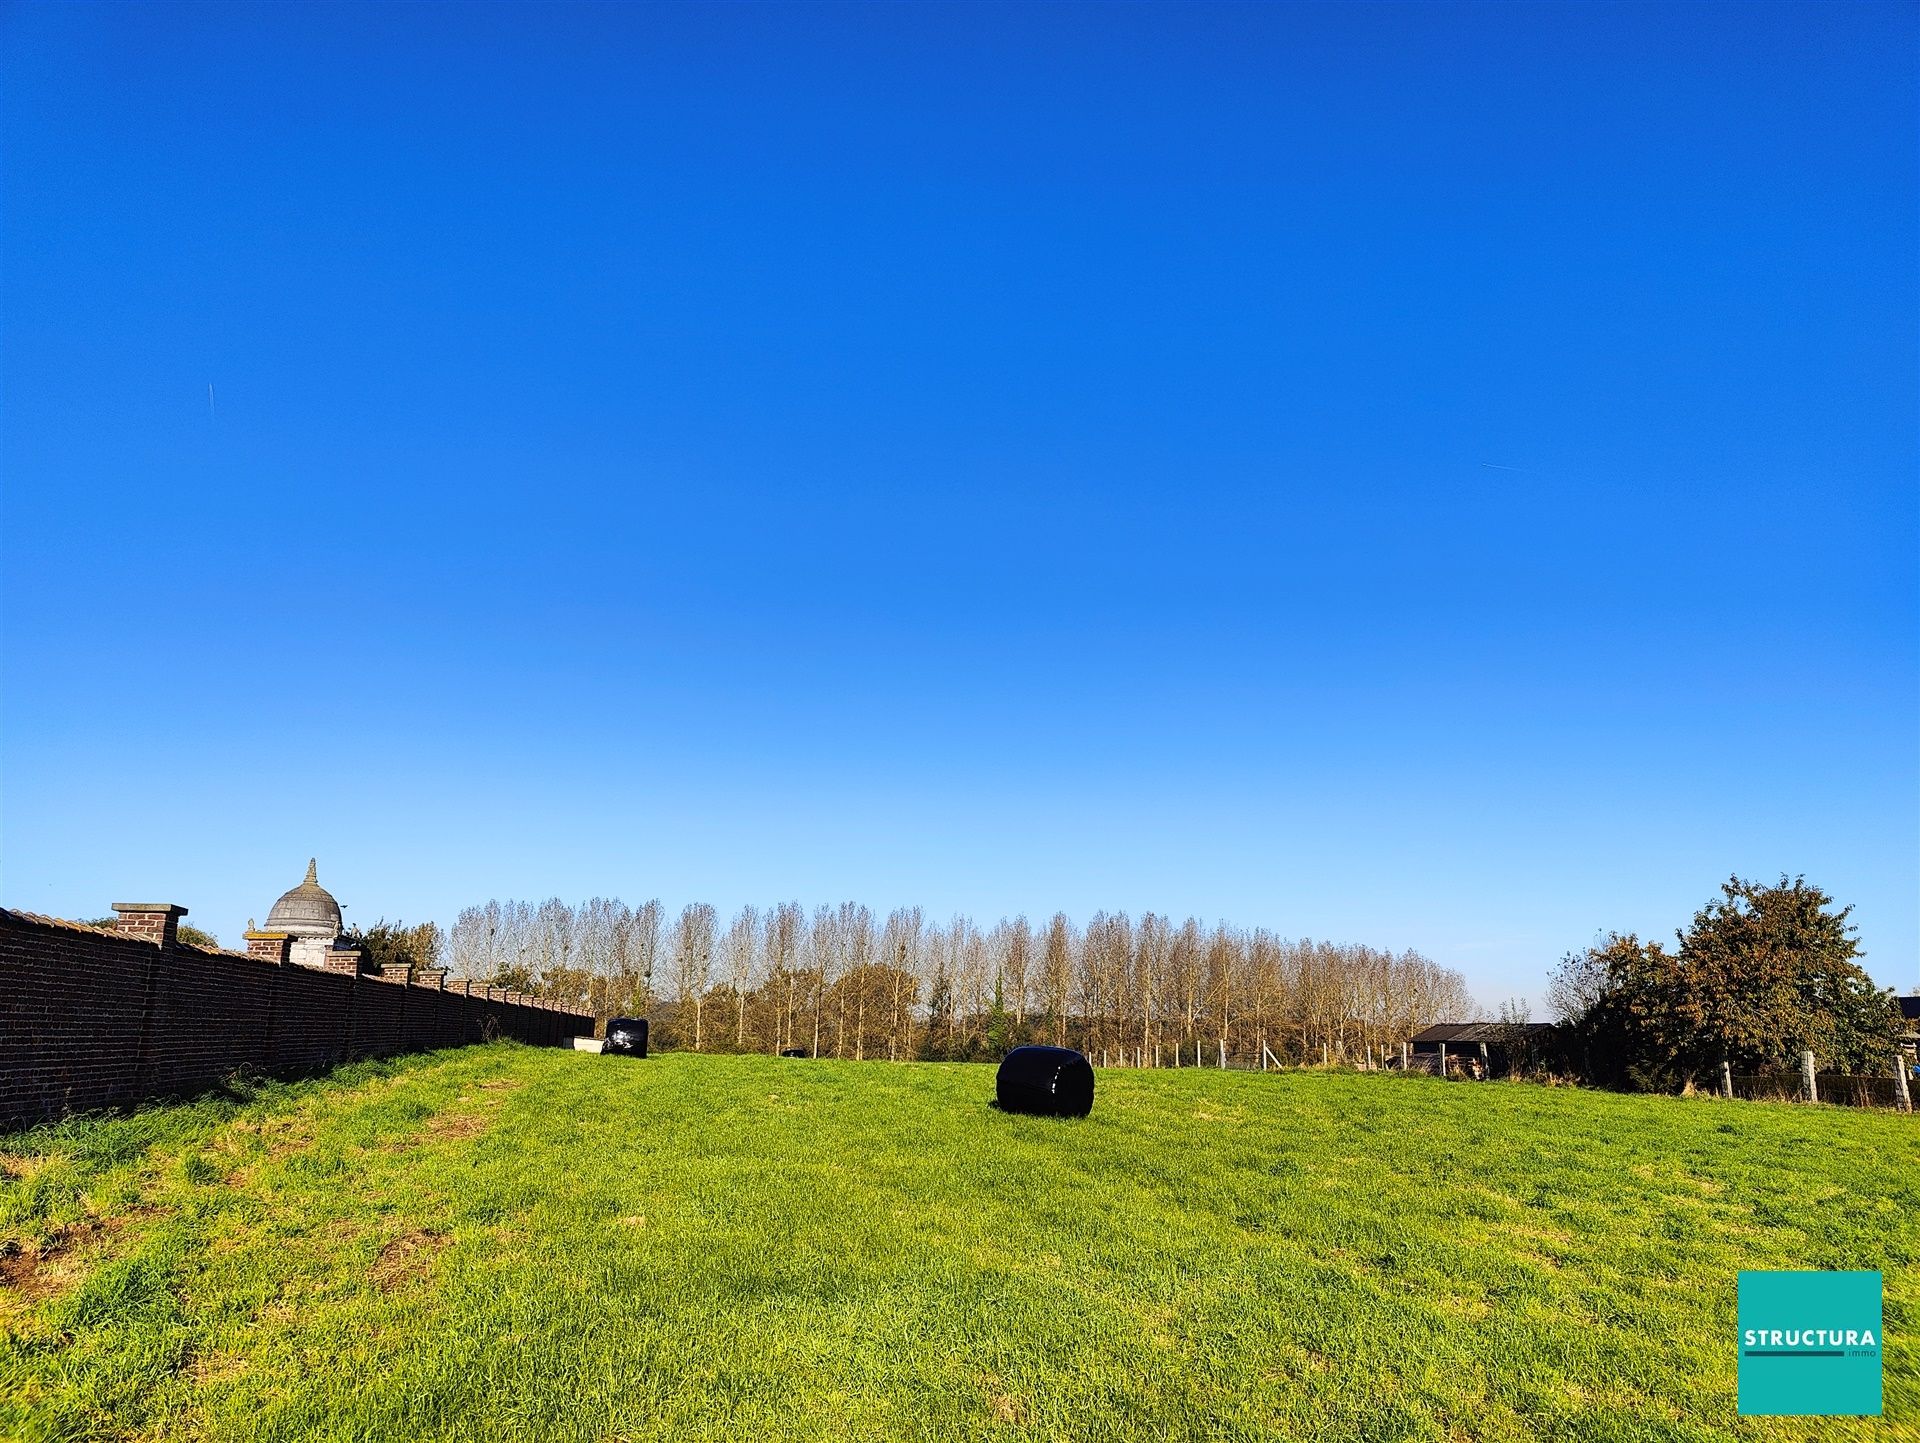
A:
[1443, 1059]
[1902, 1095]
[1726, 1078]
[1809, 1089]
[1406, 1056]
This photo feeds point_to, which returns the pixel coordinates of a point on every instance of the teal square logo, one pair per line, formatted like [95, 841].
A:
[1810, 1343]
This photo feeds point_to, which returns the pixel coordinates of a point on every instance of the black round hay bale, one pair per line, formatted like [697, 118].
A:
[795, 1052]
[1045, 1082]
[627, 1036]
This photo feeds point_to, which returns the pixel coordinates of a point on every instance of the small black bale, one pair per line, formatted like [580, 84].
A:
[627, 1036]
[1045, 1082]
[795, 1052]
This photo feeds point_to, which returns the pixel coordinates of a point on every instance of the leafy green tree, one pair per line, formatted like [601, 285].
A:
[1762, 974]
[386, 943]
[1768, 972]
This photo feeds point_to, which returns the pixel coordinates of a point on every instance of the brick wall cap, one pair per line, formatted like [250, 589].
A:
[66, 924]
[218, 952]
[266, 936]
[171, 907]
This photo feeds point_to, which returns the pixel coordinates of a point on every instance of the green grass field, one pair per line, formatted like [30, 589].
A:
[512, 1243]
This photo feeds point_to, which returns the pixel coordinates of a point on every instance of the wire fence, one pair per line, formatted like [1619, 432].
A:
[1891, 1089]
[1846, 1089]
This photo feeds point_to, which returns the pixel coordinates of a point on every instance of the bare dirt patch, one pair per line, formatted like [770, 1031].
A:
[456, 1125]
[407, 1257]
[33, 1273]
[445, 1127]
[1006, 1407]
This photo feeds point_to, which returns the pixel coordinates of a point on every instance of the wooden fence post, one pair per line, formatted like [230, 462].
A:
[1406, 1057]
[1902, 1096]
[1726, 1078]
[1809, 1089]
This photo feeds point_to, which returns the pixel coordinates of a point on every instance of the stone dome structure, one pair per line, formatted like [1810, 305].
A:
[307, 911]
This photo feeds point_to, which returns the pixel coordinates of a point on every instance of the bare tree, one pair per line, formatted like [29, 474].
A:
[1151, 953]
[824, 944]
[693, 961]
[743, 950]
[854, 931]
[1056, 973]
[1118, 988]
[643, 953]
[1013, 954]
[785, 931]
[900, 949]
[473, 947]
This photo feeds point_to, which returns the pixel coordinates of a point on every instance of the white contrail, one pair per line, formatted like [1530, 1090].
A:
[212, 415]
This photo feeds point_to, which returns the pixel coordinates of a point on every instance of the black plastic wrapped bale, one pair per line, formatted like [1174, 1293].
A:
[1046, 1082]
[627, 1036]
[795, 1052]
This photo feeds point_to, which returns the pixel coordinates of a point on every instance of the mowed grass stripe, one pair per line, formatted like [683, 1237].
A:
[505, 1242]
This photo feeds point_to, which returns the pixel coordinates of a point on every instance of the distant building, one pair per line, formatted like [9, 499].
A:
[308, 919]
[1493, 1048]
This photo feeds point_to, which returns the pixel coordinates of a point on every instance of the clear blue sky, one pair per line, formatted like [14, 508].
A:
[1438, 477]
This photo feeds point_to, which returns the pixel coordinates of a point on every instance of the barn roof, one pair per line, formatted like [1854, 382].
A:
[1474, 1031]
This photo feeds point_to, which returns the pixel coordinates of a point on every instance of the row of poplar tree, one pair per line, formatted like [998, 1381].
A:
[839, 981]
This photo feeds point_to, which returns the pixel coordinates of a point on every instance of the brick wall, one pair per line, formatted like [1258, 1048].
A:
[92, 1019]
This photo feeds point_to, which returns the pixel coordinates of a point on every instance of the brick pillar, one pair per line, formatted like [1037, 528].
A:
[400, 972]
[434, 977]
[270, 946]
[344, 959]
[157, 922]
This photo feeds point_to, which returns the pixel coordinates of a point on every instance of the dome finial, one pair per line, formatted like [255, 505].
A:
[313, 874]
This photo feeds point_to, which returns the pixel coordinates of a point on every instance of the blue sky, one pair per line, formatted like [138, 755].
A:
[1438, 477]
